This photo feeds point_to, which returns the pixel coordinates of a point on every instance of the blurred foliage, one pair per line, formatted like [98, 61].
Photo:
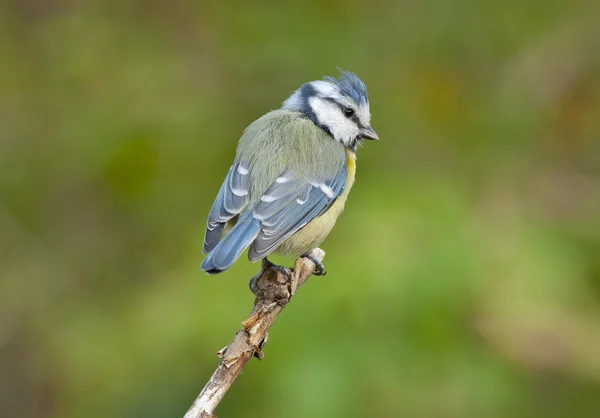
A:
[464, 276]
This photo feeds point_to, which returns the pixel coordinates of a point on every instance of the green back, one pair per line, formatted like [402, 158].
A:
[283, 140]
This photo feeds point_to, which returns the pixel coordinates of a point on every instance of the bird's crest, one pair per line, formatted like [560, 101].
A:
[350, 85]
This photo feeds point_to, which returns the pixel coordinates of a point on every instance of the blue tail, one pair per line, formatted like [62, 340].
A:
[232, 245]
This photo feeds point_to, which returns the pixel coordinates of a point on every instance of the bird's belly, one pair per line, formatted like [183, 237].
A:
[317, 230]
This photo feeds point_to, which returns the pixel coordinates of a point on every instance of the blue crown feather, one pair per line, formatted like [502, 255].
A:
[350, 85]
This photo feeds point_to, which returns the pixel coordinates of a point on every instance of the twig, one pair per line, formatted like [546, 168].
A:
[274, 289]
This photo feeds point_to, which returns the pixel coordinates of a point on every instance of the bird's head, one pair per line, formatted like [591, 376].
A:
[339, 106]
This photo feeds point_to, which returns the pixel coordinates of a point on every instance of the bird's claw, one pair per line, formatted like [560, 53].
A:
[267, 265]
[319, 267]
[254, 282]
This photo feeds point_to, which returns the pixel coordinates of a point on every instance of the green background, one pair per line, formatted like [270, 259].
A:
[464, 275]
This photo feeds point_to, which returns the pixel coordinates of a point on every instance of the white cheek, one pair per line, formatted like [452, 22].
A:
[329, 115]
[364, 114]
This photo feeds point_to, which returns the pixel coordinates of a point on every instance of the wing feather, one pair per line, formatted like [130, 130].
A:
[230, 201]
[297, 202]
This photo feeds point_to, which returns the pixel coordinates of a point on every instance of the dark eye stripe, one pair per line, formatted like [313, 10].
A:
[354, 118]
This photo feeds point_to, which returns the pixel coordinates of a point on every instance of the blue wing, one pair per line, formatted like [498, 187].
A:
[231, 200]
[288, 205]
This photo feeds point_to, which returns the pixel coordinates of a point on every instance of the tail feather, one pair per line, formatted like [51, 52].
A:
[212, 236]
[232, 245]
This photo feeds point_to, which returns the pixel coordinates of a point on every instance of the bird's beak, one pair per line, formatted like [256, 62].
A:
[369, 133]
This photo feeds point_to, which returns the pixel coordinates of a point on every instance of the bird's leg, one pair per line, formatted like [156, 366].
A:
[254, 282]
[267, 265]
[319, 267]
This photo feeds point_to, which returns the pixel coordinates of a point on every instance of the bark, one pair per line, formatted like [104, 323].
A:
[274, 288]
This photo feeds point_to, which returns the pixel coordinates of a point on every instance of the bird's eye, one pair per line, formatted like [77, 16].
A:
[349, 112]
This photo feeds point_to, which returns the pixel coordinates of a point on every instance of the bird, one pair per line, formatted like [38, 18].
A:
[291, 175]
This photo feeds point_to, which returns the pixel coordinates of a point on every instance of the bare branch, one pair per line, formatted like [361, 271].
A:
[274, 289]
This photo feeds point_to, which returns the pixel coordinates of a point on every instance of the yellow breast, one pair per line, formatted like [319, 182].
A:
[317, 230]
[351, 173]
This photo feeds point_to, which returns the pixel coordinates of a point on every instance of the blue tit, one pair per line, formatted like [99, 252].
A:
[292, 173]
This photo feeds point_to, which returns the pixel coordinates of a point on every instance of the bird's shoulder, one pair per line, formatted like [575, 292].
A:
[284, 127]
[285, 139]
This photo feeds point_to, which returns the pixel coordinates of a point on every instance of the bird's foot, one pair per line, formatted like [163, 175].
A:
[254, 282]
[268, 266]
[319, 267]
